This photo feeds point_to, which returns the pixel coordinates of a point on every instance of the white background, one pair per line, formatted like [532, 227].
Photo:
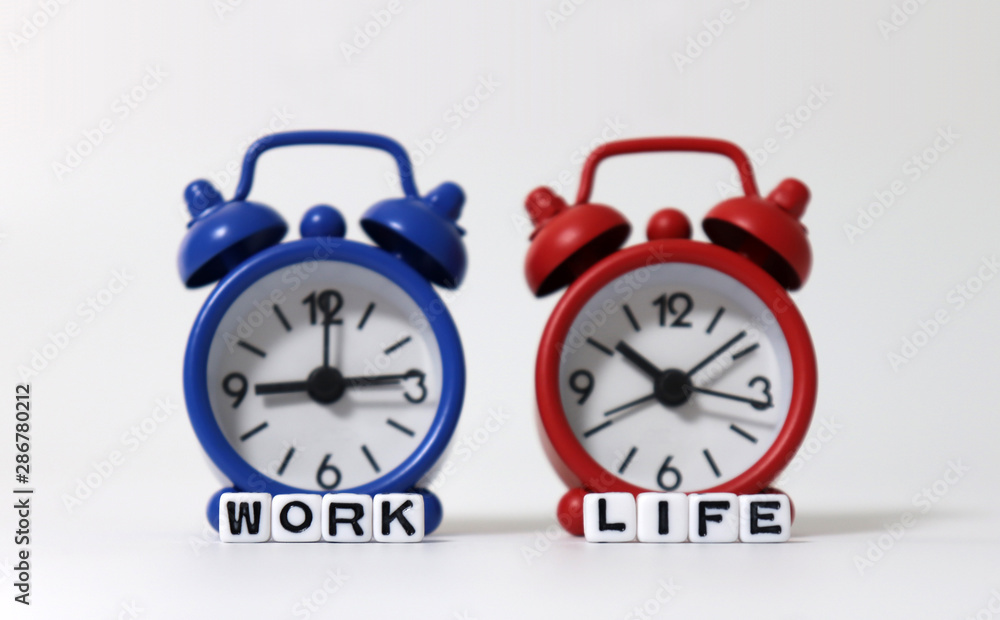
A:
[136, 541]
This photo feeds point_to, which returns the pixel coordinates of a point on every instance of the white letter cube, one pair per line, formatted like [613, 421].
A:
[244, 517]
[713, 518]
[398, 517]
[344, 514]
[662, 517]
[609, 517]
[765, 518]
[296, 517]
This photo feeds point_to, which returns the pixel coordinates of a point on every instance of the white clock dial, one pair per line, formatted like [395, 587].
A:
[317, 406]
[675, 377]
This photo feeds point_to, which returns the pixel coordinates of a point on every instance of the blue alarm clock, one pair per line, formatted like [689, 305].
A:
[324, 365]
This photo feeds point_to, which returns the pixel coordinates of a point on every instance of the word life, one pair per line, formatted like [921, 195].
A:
[334, 517]
[676, 517]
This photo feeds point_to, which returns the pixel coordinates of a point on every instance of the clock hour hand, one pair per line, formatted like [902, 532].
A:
[756, 404]
[636, 358]
[283, 387]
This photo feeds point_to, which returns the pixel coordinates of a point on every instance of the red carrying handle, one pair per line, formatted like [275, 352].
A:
[653, 145]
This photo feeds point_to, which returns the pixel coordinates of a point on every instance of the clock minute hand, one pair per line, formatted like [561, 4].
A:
[636, 358]
[291, 387]
[708, 360]
[756, 404]
[381, 379]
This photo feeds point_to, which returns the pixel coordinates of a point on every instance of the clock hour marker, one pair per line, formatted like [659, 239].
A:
[745, 351]
[281, 317]
[599, 427]
[397, 345]
[253, 431]
[739, 431]
[715, 319]
[600, 347]
[249, 347]
[371, 459]
[364, 317]
[399, 427]
[708, 457]
[631, 317]
[284, 461]
[628, 459]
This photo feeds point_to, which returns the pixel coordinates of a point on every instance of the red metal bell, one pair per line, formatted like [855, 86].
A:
[568, 240]
[668, 224]
[767, 231]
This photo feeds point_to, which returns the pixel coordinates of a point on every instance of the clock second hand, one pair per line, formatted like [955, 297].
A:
[630, 404]
[620, 408]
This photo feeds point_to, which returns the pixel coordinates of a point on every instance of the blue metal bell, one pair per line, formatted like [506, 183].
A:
[221, 235]
[423, 232]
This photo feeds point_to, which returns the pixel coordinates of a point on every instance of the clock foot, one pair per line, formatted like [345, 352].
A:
[570, 511]
[213, 507]
[433, 511]
[791, 504]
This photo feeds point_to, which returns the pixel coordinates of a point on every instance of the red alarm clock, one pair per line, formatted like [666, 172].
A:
[672, 365]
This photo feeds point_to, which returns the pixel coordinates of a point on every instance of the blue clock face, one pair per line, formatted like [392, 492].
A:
[324, 375]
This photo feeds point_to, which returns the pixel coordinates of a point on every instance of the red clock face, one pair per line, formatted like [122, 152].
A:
[675, 366]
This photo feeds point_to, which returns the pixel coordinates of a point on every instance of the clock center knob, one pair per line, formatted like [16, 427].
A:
[326, 385]
[673, 388]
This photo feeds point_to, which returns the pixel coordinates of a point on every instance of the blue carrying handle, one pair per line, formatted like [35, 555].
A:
[343, 138]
